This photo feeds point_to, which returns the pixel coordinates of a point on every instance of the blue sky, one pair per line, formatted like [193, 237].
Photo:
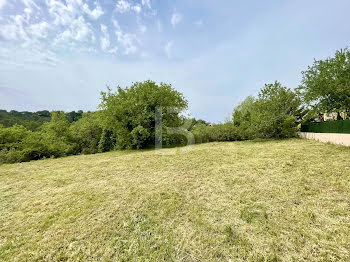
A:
[59, 55]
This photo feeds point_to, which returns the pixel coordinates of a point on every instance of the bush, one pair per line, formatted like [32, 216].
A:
[220, 133]
[86, 134]
[139, 137]
[201, 133]
[224, 132]
[128, 120]
[11, 156]
[107, 141]
[272, 115]
[11, 143]
[17, 144]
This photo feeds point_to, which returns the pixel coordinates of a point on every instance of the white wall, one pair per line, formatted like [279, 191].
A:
[340, 139]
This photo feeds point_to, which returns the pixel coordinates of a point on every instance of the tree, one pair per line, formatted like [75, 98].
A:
[86, 133]
[130, 112]
[107, 141]
[56, 135]
[276, 111]
[30, 120]
[74, 116]
[17, 144]
[58, 125]
[325, 86]
[54, 139]
[274, 114]
[11, 143]
[242, 117]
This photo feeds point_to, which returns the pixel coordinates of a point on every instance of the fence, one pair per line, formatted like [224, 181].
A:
[340, 127]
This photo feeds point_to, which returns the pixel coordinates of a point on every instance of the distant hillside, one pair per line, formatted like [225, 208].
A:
[32, 120]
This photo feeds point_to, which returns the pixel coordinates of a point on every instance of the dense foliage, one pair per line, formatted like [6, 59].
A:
[325, 85]
[130, 113]
[220, 132]
[19, 144]
[146, 114]
[274, 114]
[126, 120]
[32, 120]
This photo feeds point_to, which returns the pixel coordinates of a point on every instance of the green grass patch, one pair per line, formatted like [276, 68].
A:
[283, 200]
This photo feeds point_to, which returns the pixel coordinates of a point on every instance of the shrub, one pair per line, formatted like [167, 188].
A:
[107, 141]
[201, 133]
[86, 134]
[272, 115]
[224, 132]
[17, 144]
[220, 133]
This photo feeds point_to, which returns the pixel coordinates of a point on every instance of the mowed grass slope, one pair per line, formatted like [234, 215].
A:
[245, 201]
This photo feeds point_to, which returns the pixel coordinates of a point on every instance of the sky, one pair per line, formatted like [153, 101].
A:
[60, 54]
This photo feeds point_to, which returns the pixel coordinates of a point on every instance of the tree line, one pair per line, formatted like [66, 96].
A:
[127, 118]
[33, 120]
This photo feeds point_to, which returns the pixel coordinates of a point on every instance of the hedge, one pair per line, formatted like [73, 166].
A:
[341, 126]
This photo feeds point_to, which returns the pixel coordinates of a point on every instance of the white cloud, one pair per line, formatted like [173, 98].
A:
[65, 14]
[69, 24]
[148, 11]
[39, 30]
[137, 8]
[64, 19]
[30, 3]
[104, 39]
[128, 41]
[168, 48]
[28, 12]
[96, 13]
[28, 35]
[9, 32]
[123, 6]
[62, 14]
[70, 18]
[116, 25]
[78, 30]
[113, 50]
[105, 42]
[2, 3]
[176, 18]
[15, 29]
[146, 3]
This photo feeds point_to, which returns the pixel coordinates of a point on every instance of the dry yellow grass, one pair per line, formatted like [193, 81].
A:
[241, 201]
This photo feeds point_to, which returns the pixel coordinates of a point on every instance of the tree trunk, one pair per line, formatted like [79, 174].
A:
[339, 117]
[321, 117]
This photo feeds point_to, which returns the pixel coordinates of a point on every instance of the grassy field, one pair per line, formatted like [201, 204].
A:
[241, 201]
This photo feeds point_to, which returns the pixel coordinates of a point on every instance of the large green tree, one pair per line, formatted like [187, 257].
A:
[131, 112]
[325, 86]
[273, 114]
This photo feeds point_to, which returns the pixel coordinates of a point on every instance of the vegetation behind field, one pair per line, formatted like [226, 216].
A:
[127, 119]
[146, 114]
